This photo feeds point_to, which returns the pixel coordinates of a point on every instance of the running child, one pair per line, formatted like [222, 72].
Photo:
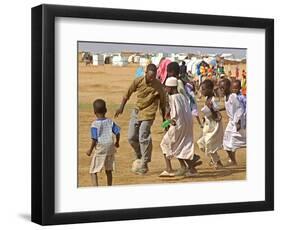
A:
[189, 88]
[173, 69]
[178, 140]
[212, 138]
[236, 89]
[102, 130]
[235, 134]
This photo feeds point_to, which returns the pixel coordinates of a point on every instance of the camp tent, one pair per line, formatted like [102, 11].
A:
[119, 61]
[98, 59]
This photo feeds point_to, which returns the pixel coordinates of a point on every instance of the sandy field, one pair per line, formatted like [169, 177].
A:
[110, 83]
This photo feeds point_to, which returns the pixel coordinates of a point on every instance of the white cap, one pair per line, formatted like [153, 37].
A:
[171, 81]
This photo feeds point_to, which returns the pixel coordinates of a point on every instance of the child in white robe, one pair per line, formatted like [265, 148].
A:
[212, 138]
[178, 140]
[236, 88]
[235, 134]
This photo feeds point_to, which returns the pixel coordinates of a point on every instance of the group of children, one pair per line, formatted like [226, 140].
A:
[178, 141]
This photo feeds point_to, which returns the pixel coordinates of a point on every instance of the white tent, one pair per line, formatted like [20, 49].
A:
[119, 61]
[226, 55]
[144, 61]
[137, 59]
[98, 59]
[156, 60]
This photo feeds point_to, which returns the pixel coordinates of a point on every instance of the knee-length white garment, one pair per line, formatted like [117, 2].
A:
[234, 139]
[178, 140]
[212, 138]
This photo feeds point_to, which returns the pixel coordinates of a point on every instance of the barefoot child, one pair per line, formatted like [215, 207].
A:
[102, 130]
[236, 89]
[212, 138]
[173, 70]
[178, 140]
[189, 88]
[235, 134]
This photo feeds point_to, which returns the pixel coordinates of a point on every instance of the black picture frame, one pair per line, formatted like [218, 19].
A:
[43, 114]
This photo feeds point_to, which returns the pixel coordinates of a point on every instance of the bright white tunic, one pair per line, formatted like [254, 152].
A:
[234, 139]
[212, 138]
[178, 141]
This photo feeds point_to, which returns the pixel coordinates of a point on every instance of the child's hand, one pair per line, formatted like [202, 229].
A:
[89, 152]
[173, 122]
[218, 117]
[118, 112]
[116, 144]
[209, 104]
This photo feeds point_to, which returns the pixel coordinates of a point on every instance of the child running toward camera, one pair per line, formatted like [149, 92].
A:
[235, 133]
[212, 138]
[236, 89]
[102, 130]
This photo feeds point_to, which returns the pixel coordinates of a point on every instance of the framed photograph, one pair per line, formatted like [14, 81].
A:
[145, 114]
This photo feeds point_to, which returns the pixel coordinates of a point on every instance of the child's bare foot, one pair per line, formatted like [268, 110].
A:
[218, 165]
[180, 172]
[191, 172]
[231, 163]
[197, 164]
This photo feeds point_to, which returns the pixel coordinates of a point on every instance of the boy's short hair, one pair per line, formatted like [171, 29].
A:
[173, 67]
[99, 106]
[227, 82]
[237, 82]
[208, 83]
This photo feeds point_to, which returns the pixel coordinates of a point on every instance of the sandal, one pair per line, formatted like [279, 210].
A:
[166, 174]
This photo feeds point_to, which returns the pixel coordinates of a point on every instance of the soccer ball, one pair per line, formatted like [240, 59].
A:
[136, 165]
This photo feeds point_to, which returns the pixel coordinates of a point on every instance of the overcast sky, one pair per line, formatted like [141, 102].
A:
[98, 47]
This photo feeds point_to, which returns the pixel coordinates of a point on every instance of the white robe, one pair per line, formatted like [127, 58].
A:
[178, 141]
[234, 139]
[212, 138]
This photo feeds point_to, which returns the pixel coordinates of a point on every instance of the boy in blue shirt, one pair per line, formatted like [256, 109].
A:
[102, 131]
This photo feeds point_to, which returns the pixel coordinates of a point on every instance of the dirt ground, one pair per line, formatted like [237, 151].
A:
[110, 83]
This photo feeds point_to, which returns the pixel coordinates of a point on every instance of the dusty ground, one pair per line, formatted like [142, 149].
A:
[110, 83]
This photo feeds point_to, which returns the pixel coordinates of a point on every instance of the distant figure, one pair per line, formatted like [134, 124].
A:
[183, 73]
[102, 131]
[88, 59]
[244, 83]
[162, 69]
